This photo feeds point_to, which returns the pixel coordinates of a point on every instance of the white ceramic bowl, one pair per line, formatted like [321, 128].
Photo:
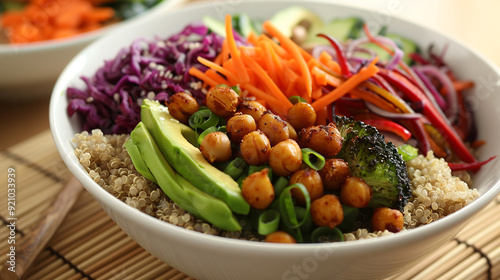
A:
[30, 70]
[210, 257]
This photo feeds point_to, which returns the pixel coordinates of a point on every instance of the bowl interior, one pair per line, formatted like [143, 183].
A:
[485, 100]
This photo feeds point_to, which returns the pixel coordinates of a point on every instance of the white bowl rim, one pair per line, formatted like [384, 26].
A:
[155, 224]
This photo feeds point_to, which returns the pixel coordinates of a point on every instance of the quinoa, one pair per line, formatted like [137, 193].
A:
[436, 192]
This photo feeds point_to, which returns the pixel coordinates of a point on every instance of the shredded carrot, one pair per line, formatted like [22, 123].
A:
[252, 38]
[326, 59]
[363, 75]
[271, 86]
[233, 50]
[329, 79]
[295, 51]
[72, 18]
[460, 85]
[216, 77]
[202, 76]
[274, 70]
[277, 48]
[229, 75]
[478, 143]
[270, 62]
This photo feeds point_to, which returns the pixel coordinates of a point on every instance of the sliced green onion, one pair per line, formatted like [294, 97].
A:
[408, 152]
[302, 214]
[236, 168]
[205, 118]
[240, 179]
[296, 99]
[237, 89]
[205, 132]
[269, 222]
[287, 208]
[313, 159]
[326, 234]
[280, 185]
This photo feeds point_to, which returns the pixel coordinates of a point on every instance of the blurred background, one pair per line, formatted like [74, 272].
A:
[473, 22]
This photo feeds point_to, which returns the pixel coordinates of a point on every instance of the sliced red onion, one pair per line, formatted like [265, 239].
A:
[451, 109]
[422, 87]
[317, 50]
[437, 96]
[390, 115]
[396, 58]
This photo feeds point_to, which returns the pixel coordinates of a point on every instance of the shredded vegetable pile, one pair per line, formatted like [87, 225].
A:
[385, 95]
[147, 69]
[298, 134]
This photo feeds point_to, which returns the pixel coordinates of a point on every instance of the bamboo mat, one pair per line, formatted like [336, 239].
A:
[89, 245]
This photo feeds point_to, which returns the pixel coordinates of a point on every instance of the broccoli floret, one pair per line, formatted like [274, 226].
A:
[378, 163]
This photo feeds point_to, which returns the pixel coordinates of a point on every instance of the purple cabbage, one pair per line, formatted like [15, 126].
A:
[153, 69]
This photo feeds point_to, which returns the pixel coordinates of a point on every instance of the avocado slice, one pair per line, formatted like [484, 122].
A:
[341, 29]
[137, 160]
[285, 20]
[181, 191]
[177, 143]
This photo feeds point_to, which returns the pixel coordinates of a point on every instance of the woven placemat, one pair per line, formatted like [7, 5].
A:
[89, 245]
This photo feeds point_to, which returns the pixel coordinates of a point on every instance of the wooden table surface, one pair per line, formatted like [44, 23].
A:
[473, 22]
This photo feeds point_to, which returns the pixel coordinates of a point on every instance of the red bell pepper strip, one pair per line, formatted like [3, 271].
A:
[432, 114]
[473, 166]
[387, 125]
[344, 67]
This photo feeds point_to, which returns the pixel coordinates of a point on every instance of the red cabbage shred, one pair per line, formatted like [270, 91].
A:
[153, 69]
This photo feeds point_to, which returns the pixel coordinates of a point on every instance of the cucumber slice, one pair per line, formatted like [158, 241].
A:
[214, 25]
[244, 25]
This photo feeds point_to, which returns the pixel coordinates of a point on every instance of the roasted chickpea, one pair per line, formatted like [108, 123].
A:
[292, 133]
[274, 128]
[311, 180]
[285, 157]
[355, 192]
[334, 173]
[327, 211]
[385, 218]
[255, 148]
[181, 106]
[252, 108]
[280, 237]
[301, 115]
[216, 147]
[258, 190]
[240, 125]
[223, 101]
[324, 139]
